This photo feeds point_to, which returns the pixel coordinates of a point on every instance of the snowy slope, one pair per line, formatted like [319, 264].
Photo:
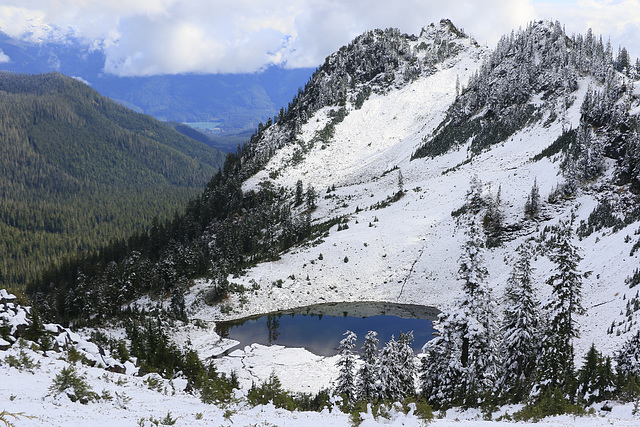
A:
[410, 253]
[401, 251]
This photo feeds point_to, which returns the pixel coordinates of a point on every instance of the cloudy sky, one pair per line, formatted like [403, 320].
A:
[147, 37]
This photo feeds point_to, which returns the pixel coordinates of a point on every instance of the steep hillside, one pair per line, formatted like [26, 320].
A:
[401, 159]
[79, 170]
[406, 246]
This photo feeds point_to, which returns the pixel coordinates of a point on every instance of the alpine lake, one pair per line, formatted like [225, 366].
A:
[319, 328]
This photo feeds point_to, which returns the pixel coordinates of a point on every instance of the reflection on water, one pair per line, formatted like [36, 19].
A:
[319, 328]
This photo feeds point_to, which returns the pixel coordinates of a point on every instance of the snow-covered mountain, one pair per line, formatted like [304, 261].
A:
[407, 250]
[357, 190]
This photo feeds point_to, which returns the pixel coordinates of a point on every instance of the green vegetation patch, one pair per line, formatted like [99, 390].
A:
[78, 170]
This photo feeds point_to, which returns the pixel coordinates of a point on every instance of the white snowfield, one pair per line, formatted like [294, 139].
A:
[406, 252]
[25, 393]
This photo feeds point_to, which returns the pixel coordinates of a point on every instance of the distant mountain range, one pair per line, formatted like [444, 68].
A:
[220, 105]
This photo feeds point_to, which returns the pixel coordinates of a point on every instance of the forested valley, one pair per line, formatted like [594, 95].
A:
[78, 170]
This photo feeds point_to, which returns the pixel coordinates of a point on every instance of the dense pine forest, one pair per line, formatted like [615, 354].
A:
[78, 170]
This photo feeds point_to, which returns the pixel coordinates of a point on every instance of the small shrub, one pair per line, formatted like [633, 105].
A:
[70, 382]
[168, 420]
[153, 382]
[551, 403]
[217, 388]
[270, 391]
[73, 355]
[22, 362]
[122, 400]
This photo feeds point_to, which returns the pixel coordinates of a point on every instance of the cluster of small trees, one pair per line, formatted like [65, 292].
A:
[383, 375]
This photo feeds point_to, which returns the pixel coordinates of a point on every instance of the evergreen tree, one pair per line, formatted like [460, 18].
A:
[596, 381]
[367, 380]
[400, 182]
[519, 328]
[442, 368]
[474, 200]
[311, 197]
[493, 221]
[390, 366]
[630, 165]
[557, 357]
[472, 270]
[532, 205]
[623, 63]
[406, 364]
[481, 335]
[466, 353]
[299, 196]
[346, 379]
[628, 357]
[177, 307]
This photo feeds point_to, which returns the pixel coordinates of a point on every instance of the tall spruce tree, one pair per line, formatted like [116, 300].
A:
[388, 372]
[345, 385]
[465, 355]
[397, 369]
[406, 364]
[442, 370]
[367, 379]
[565, 304]
[532, 205]
[520, 330]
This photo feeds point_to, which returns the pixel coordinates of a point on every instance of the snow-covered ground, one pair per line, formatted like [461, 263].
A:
[406, 252]
[141, 401]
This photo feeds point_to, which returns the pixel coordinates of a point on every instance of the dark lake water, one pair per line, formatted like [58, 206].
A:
[319, 328]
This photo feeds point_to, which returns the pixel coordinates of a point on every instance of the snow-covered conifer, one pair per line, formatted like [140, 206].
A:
[465, 355]
[596, 381]
[346, 379]
[532, 205]
[390, 366]
[406, 364]
[493, 221]
[519, 328]
[442, 369]
[472, 270]
[556, 359]
[366, 382]
[628, 357]
[480, 335]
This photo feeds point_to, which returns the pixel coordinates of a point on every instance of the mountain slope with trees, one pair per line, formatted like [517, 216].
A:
[79, 170]
[411, 169]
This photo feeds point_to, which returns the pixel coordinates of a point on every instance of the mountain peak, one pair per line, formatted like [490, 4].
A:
[444, 29]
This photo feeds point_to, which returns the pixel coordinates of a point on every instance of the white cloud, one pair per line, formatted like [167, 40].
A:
[4, 58]
[144, 37]
[80, 79]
